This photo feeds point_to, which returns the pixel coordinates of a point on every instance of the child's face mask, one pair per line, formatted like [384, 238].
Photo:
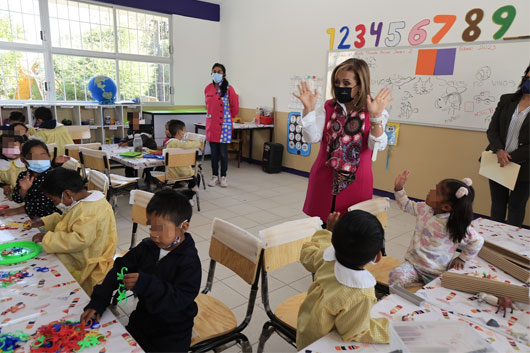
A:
[65, 208]
[39, 166]
[11, 152]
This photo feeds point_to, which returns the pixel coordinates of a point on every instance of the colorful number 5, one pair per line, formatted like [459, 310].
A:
[393, 31]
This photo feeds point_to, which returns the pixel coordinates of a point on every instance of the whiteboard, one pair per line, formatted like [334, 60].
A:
[461, 93]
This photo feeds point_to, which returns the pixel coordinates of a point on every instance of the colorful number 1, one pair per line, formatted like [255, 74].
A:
[508, 12]
[331, 32]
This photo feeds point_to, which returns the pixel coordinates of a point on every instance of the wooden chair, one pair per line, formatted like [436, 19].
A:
[139, 200]
[79, 132]
[202, 138]
[281, 246]
[52, 149]
[177, 157]
[381, 271]
[98, 181]
[99, 160]
[215, 324]
[73, 150]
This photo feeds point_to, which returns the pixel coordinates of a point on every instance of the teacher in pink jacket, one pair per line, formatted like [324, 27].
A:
[222, 104]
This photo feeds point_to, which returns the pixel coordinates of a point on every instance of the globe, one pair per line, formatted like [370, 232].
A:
[102, 89]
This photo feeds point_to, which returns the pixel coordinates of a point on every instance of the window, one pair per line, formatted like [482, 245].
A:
[22, 75]
[86, 39]
[20, 24]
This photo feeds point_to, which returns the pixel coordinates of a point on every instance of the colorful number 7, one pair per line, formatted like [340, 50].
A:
[449, 21]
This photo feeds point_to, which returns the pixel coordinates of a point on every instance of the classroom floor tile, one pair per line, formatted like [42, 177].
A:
[255, 200]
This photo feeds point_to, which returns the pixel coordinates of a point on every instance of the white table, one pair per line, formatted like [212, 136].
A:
[137, 163]
[49, 296]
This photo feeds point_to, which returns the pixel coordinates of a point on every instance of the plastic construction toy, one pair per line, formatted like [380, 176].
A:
[11, 340]
[122, 292]
[66, 336]
[10, 278]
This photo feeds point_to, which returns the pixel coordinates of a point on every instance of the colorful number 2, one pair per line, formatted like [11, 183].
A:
[341, 44]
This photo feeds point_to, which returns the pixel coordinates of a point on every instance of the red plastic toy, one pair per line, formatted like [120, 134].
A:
[504, 303]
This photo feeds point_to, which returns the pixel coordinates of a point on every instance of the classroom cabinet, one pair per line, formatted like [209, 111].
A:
[108, 123]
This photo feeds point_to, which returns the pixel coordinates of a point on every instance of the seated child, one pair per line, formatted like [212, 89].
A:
[20, 118]
[442, 223]
[19, 129]
[50, 131]
[84, 237]
[342, 292]
[10, 164]
[36, 157]
[177, 131]
[164, 272]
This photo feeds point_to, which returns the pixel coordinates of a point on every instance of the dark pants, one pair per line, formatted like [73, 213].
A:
[515, 200]
[222, 149]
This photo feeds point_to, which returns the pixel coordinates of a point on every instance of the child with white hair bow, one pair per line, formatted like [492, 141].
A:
[442, 223]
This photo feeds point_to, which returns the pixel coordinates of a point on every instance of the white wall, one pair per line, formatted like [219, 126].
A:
[197, 48]
[266, 41]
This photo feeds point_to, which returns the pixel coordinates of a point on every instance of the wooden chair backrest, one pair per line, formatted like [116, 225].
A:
[282, 243]
[236, 249]
[378, 207]
[98, 181]
[72, 150]
[79, 132]
[139, 200]
[52, 149]
[94, 159]
[179, 157]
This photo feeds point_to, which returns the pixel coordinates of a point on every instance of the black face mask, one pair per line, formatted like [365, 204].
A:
[343, 94]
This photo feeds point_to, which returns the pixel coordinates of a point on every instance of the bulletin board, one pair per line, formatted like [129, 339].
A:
[454, 86]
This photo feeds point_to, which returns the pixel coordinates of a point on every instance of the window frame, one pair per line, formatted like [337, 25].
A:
[49, 51]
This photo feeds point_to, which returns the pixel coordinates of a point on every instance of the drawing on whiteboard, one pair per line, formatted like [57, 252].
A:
[371, 62]
[483, 73]
[406, 110]
[422, 87]
[398, 81]
[451, 100]
[406, 96]
[484, 97]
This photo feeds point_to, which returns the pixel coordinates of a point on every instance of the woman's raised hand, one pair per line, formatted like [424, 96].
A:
[308, 99]
[379, 103]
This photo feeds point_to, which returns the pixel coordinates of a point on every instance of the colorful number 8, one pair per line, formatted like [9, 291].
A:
[472, 32]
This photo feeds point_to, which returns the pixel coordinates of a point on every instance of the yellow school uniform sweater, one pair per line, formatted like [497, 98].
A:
[339, 298]
[180, 172]
[84, 239]
[59, 136]
[9, 171]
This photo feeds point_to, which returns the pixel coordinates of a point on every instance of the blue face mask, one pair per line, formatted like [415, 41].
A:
[39, 166]
[217, 78]
[525, 88]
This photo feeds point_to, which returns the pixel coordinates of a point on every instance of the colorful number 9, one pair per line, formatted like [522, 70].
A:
[417, 34]
[508, 12]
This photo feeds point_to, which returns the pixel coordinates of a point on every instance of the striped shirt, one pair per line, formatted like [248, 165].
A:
[512, 139]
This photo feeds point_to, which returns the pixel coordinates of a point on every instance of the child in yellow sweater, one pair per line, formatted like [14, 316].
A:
[342, 292]
[177, 130]
[10, 164]
[50, 131]
[84, 237]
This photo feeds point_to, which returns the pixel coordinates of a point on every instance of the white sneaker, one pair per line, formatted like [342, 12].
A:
[192, 203]
[223, 183]
[214, 181]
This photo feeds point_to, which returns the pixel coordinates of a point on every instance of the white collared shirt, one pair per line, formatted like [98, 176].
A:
[346, 276]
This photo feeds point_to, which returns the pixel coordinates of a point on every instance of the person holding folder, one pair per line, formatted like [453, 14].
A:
[508, 135]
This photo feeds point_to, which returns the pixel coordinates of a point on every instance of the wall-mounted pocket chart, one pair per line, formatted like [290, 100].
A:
[295, 142]
[453, 86]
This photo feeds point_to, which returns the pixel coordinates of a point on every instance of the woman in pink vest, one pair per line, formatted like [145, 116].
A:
[349, 127]
[222, 105]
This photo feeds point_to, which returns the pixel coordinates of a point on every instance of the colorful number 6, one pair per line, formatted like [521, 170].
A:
[417, 34]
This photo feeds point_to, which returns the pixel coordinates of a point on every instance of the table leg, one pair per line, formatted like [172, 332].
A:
[250, 147]
[196, 129]
[271, 131]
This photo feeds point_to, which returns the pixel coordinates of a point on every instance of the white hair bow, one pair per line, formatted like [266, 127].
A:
[463, 191]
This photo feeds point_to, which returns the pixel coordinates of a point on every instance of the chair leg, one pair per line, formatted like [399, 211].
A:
[245, 345]
[198, 202]
[133, 235]
[267, 331]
